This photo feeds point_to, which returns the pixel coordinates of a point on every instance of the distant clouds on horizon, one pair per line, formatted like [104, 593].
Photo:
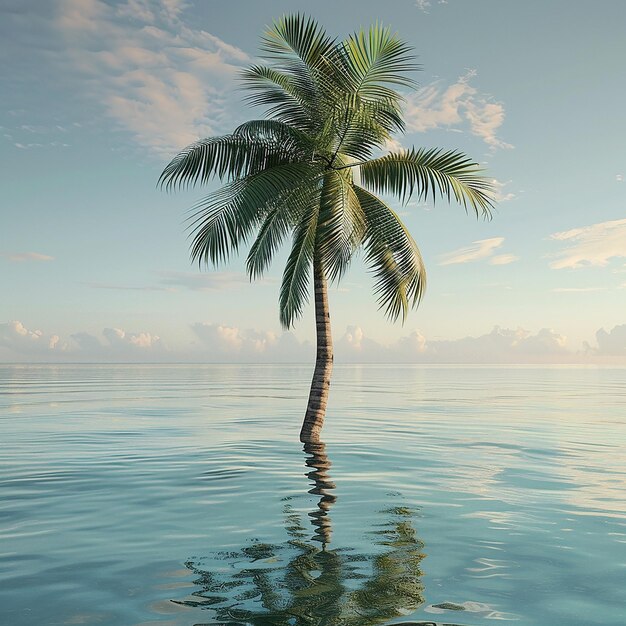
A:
[221, 343]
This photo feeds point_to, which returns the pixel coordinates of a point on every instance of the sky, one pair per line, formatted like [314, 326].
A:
[98, 95]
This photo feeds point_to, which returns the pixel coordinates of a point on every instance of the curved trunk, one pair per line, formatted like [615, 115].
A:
[318, 396]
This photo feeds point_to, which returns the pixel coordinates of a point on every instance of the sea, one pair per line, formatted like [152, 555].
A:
[180, 495]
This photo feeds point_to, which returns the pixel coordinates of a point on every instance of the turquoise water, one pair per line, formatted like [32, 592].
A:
[179, 495]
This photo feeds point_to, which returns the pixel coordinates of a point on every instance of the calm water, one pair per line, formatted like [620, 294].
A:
[179, 495]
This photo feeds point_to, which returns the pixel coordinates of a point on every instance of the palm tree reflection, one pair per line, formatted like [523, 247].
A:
[296, 583]
[322, 486]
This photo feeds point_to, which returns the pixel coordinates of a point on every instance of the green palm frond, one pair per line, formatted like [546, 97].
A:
[290, 99]
[341, 224]
[299, 47]
[226, 218]
[296, 37]
[287, 210]
[393, 257]
[277, 132]
[227, 157]
[376, 59]
[366, 126]
[366, 66]
[428, 172]
[273, 231]
[294, 290]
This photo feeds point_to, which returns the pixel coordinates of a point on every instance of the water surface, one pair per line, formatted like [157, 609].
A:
[179, 495]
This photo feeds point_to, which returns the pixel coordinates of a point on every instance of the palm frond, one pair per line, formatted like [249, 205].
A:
[294, 287]
[364, 126]
[299, 47]
[428, 172]
[226, 218]
[277, 132]
[367, 68]
[375, 59]
[296, 37]
[290, 98]
[228, 157]
[393, 257]
[271, 234]
[341, 224]
[287, 211]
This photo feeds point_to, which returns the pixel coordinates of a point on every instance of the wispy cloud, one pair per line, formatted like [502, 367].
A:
[195, 281]
[19, 257]
[207, 281]
[163, 80]
[593, 245]
[114, 287]
[424, 5]
[578, 289]
[482, 249]
[457, 105]
[503, 259]
[500, 193]
[50, 144]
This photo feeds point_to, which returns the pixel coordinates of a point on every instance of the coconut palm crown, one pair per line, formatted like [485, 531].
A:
[311, 169]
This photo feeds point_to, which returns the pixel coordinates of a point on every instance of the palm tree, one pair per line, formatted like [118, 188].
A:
[312, 168]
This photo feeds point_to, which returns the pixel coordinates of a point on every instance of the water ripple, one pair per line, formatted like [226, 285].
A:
[129, 492]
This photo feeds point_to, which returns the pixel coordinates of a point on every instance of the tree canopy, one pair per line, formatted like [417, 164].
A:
[314, 167]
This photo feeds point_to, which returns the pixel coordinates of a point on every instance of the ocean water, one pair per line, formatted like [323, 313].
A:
[180, 495]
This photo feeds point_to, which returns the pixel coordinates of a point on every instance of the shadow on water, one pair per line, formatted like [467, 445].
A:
[306, 582]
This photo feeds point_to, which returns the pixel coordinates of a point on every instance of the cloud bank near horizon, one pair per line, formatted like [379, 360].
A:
[221, 343]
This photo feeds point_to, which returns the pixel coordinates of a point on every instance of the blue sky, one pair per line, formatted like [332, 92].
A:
[97, 96]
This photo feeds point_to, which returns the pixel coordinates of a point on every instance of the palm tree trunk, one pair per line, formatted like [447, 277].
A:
[318, 396]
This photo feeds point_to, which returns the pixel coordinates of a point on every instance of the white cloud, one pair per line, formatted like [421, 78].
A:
[231, 344]
[612, 343]
[217, 343]
[478, 250]
[577, 289]
[119, 338]
[19, 257]
[162, 80]
[118, 345]
[593, 245]
[51, 144]
[500, 195]
[459, 104]
[354, 337]
[195, 281]
[97, 285]
[619, 178]
[227, 343]
[501, 345]
[423, 5]
[503, 259]
[392, 145]
[16, 337]
[208, 281]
